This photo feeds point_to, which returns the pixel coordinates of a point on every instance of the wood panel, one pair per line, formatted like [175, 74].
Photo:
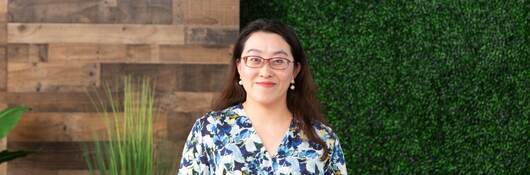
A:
[27, 53]
[207, 35]
[50, 101]
[171, 77]
[56, 54]
[3, 68]
[3, 49]
[206, 12]
[70, 127]
[195, 54]
[3, 146]
[91, 11]
[94, 33]
[50, 77]
[49, 155]
[121, 53]
[84, 52]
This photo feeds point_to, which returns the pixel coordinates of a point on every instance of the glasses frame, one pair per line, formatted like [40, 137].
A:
[268, 61]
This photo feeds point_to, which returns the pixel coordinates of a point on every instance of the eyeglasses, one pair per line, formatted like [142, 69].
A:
[275, 63]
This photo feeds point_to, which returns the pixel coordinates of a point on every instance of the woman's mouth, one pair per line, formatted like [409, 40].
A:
[266, 84]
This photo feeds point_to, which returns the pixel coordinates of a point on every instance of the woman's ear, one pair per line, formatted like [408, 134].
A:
[297, 68]
[238, 66]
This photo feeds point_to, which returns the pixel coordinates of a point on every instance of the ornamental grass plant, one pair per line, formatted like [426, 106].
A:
[128, 146]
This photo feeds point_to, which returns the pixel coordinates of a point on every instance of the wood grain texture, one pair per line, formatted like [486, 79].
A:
[87, 53]
[26, 169]
[171, 77]
[183, 119]
[186, 101]
[54, 54]
[49, 156]
[49, 101]
[3, 146]
[27, 53]
[210, 35]
[195, 54]
[70, 127]
[3, 68]
[94, 33]
[91, 11]
[3, 32]
[50, 77]
[3, 10]
[206, 12]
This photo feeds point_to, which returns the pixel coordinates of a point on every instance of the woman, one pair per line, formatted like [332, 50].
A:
[267, 119]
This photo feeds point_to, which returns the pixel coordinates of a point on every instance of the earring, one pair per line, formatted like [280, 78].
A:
[240, 82]
[292, 85]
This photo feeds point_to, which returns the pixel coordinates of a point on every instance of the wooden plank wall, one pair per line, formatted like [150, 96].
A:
[53, 51]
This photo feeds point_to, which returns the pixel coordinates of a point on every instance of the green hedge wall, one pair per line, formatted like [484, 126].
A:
[419, 87]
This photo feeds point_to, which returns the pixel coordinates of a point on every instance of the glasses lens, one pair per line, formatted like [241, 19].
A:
[279, 63]
[253, 61]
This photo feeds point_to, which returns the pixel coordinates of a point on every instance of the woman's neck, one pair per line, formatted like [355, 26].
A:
[272, 113]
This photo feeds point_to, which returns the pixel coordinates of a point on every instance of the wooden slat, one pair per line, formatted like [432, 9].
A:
[3, 32]
[3, 52]
[95, 33]
[3, 10]
[194, 54]
[91, 11]
[21, 170]
[119, 53]
[206, 12]
[82, 52]
[50, 77]
[50, 101]
[27, 53]
[186, 101]
[138, 53]
[201, 78]
[181, 123]
[3, 146]
[29, 170]
[65, 127]
[75, 102]
[49, 156]
[3, 68]
[62, 157]
[210, 35]
[171, 77]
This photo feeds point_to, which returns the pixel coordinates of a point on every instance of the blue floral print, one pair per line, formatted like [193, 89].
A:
[225, 142]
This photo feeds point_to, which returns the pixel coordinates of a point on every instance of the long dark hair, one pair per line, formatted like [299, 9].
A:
[302, 101]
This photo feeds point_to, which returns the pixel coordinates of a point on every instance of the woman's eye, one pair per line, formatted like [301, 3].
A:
[279, 61]
[255, 59]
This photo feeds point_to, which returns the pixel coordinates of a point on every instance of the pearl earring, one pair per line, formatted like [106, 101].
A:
[240, 82]
[292, 85]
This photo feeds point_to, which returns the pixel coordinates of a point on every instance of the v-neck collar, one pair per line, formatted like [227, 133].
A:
[241, 113]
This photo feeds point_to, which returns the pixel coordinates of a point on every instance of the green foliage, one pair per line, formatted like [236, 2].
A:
[420, 87]
[128, 146]
[9, 118]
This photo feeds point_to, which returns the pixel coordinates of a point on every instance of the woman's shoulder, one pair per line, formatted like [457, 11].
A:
[221, 117]
[325, 132]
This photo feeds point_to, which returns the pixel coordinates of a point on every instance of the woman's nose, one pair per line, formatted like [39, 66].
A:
[265, 70]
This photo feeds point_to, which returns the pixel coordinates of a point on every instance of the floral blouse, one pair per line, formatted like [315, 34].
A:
[226, 143]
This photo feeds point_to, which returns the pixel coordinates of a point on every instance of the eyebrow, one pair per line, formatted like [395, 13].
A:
[281, 52]
[275, 53]
[253, 50]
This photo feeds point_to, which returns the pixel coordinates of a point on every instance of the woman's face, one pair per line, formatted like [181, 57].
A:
[266, 84]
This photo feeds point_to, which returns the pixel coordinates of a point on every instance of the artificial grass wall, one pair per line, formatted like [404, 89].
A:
[419, 87]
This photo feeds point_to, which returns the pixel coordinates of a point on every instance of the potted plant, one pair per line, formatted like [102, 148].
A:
[128, 145]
